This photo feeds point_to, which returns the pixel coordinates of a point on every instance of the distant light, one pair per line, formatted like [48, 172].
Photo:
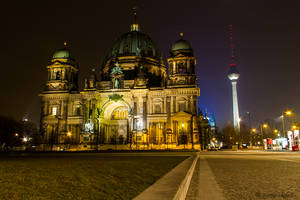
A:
[54, 111]
[16, 134]
[240, 119]
[69, 133]
[254, 130]
[182, 125]
[25, 139]
[288, 112]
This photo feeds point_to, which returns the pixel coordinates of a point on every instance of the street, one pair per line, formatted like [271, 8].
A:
[246, 175]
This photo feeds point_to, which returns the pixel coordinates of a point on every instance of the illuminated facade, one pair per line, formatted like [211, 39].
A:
[131, 100]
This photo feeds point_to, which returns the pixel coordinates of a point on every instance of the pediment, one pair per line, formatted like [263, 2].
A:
[182, 116]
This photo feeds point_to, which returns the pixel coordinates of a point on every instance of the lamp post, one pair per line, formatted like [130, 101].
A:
[286, 113]
[69, 135]
[276, 132]
[192, 131]
[182, 126]
[253, 131]
[262, 126]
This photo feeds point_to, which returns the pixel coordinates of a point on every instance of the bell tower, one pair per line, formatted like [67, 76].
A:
[62, 72]
[181, 62]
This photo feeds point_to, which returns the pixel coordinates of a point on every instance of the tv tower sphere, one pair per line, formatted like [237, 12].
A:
[233, 73]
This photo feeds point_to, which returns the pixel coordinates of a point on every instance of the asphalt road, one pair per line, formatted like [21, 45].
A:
[246, 175]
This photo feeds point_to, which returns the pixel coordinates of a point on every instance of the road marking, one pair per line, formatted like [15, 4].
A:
[208, 187]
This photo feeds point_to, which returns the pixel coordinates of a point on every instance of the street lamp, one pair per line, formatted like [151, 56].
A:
[286, 113]
[261, 131]
[276, 132]
[253, 130]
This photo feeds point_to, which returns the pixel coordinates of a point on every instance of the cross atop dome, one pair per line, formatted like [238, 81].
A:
[134, 26]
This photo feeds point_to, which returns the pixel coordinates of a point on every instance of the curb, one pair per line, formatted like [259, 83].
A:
[174, 185]
[185, 184]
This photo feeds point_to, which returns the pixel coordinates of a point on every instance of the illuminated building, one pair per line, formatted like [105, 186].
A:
[233, 76]
[130, 99]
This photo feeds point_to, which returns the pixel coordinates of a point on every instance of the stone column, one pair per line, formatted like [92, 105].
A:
[190, 104]
[145, 112]
[174, 104]
[134, 112]
[174, 67]
[168, 112]
[194, 101]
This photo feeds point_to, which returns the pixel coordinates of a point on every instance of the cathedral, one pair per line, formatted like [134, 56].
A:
[134, 101]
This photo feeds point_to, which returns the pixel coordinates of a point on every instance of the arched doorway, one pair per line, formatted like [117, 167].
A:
[114, 124]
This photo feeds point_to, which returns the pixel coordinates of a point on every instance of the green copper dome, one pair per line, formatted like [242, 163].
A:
[62, 54]
[134, 43]
[181, 45]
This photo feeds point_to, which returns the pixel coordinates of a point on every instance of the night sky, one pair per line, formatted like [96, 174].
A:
[266, 35]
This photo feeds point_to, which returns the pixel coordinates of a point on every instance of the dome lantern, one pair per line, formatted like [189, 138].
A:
[134, 26]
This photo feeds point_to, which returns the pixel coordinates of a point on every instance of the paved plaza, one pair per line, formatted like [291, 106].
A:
[246, 175]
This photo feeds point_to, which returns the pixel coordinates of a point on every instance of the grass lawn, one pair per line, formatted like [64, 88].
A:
[81, 175]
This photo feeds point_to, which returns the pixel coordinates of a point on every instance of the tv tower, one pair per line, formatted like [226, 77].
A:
[233, 76]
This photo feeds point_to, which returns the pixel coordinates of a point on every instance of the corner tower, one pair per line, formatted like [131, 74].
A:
[62, 72]
[181, 62]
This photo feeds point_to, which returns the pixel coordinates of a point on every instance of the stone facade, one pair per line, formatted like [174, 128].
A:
[132, 100]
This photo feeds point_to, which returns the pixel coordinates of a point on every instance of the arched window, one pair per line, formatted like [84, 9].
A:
[181, 68]
[157, 106]
[120, 113]
[181, 104]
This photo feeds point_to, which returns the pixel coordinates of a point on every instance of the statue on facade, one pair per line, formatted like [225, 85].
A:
[116, 85]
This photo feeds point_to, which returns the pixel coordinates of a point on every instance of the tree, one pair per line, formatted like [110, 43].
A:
[229, 136]
[31, 132]
[10, 132]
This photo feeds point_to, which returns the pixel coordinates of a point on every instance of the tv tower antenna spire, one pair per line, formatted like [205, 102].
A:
[231, 46]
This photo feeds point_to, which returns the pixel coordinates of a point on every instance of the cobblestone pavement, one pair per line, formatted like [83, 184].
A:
[246, 175]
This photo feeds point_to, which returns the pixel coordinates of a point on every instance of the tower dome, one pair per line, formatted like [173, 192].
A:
[132, 50]
[63, 53]
[181, 44]
[134, 43]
